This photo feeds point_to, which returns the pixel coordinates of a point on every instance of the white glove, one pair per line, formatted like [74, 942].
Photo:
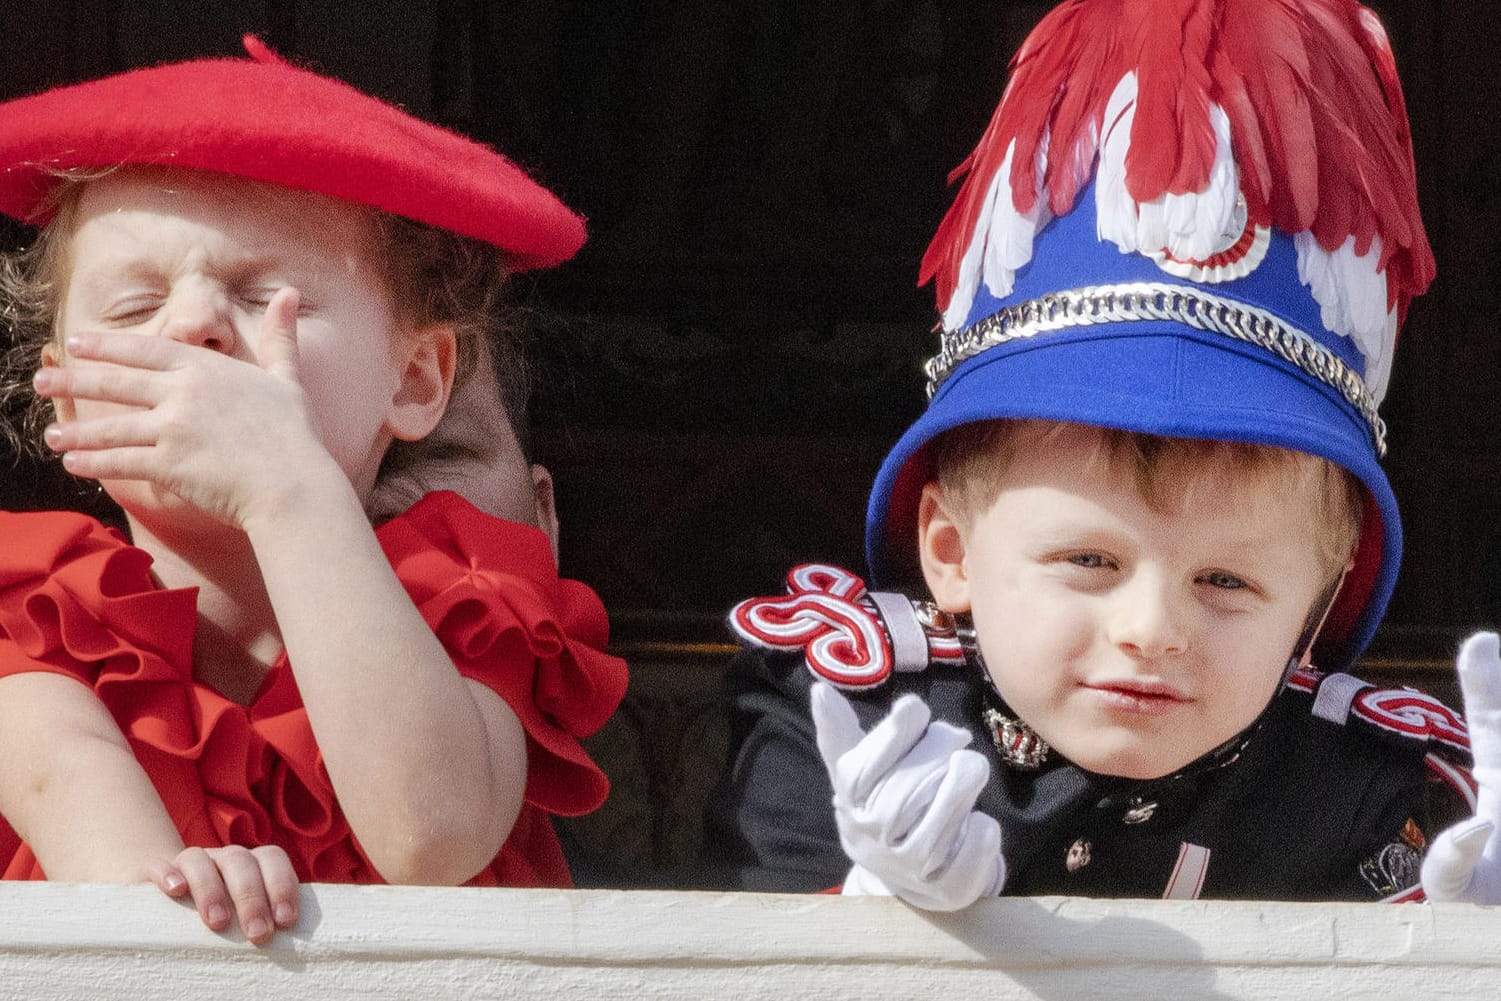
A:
[1464, 862]
[904, 798]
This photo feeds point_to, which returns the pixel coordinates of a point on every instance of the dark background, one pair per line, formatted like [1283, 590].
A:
[733, 351]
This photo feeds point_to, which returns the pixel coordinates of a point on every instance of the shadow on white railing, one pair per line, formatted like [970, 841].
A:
[78, 941]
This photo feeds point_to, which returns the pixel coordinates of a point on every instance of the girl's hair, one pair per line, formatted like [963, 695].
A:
[30, 286]
[435, 276]
[971, 460]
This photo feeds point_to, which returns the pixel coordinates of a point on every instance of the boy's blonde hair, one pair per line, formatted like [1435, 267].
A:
[970, 461]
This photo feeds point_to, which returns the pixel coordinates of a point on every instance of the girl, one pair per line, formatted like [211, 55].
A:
[240, 315]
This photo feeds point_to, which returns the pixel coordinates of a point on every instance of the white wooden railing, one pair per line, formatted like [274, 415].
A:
[78, 941]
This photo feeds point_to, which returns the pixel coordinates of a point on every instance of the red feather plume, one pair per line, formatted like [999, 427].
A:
[1318, 123]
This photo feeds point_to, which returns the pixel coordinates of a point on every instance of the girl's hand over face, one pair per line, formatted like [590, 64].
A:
[255, 887]
[227, 435]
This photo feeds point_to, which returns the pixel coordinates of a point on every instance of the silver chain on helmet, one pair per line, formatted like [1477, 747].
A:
[1136, 301]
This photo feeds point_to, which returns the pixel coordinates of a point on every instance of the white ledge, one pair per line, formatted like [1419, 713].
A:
[61, 940]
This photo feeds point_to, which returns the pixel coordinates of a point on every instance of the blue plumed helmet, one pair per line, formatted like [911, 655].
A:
[1190, 218]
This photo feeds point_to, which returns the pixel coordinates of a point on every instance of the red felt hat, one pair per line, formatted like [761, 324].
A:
[267, 120]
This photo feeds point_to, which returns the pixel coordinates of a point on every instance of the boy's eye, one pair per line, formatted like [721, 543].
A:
[1221, 579]
[1090, 560]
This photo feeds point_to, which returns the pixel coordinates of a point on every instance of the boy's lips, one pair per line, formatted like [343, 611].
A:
[1147, 696]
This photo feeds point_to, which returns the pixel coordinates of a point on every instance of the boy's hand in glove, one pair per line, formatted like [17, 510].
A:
[1464, 862]
[904, 801]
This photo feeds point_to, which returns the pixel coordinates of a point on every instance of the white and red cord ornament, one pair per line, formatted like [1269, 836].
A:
[843, 630]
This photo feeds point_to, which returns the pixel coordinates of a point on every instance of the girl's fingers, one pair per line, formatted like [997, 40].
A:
[277, 350]
[128, 463]
[242, 878]
[130, 386]
[167, 877]
[257, 887]
[121, 431]
[281, 884]
[206, 887]
[129, 350]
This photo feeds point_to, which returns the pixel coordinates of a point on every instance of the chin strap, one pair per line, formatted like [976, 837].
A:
[1017, 743]
[1302, 654]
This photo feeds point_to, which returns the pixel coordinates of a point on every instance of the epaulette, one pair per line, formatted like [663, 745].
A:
[1402, 714]
[851, 637]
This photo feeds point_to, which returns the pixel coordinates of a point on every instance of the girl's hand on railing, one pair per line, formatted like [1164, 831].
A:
[256, 886]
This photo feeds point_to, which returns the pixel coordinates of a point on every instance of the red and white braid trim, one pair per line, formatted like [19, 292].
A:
[850, 637]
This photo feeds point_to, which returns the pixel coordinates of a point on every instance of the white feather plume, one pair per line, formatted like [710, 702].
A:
[1002, 243]
[1351, 294]
[1191, 226]
[1115, 210]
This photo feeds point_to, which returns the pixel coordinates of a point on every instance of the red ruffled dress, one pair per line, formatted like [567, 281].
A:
[77, 599]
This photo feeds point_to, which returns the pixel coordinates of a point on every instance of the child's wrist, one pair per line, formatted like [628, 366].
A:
[314, 493]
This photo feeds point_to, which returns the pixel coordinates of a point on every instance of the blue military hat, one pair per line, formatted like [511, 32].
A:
[1191, 218]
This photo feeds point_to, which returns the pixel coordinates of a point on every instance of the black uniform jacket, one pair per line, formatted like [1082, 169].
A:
[1302, 808]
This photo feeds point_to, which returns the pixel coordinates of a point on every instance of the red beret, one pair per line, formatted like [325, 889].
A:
[267, 120]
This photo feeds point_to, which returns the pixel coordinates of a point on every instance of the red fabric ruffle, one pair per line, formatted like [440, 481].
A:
[76, 599]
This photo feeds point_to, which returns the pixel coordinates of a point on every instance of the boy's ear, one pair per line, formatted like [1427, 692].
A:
[422, 394]
[546, 505]
[940, 549]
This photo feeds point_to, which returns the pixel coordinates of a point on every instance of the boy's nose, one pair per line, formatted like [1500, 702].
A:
[1145, 619]
[201, 317]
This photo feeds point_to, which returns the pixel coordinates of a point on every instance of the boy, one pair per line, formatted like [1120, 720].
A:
[1144, 498]
[479, 450]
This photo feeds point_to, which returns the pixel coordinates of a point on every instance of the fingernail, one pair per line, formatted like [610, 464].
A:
[217, 916]
[42, 381]
[257, 929]
[52, 435]
[285, 914]
[174, 882]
